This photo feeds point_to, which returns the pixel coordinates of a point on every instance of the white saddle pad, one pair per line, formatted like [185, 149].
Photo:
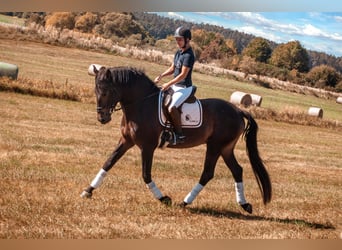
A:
[191, 116]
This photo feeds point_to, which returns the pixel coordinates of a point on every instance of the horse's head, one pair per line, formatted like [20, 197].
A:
[107, 94]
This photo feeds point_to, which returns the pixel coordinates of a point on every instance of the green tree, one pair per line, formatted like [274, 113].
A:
[290, 56]
[258, 49]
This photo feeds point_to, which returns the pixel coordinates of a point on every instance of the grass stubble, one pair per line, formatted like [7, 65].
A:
[51, 149]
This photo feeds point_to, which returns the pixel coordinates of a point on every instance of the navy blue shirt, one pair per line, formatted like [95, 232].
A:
[186, 58]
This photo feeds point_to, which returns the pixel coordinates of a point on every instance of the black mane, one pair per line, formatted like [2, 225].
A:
[130, 75]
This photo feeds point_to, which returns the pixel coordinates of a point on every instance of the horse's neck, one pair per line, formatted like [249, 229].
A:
[134, 100]
[138, 92]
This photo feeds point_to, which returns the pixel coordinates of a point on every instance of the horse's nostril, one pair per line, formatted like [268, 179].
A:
[103, 120]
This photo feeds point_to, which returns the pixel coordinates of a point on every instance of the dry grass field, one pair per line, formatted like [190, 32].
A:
[51, 149]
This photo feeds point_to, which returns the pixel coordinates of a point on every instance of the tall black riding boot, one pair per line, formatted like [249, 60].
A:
[176, 122]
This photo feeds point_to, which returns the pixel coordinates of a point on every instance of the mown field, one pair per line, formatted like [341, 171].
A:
[51, 149]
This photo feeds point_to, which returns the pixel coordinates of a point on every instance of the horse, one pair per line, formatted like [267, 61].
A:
[223, 124]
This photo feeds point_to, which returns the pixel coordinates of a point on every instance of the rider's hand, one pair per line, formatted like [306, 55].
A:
[158, 78]
[165, 86]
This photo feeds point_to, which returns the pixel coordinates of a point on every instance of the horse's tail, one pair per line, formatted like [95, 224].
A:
[258, 166]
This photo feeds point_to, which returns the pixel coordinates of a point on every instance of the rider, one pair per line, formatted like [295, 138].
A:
[181, 84]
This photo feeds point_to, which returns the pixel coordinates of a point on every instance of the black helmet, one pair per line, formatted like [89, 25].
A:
[183, 32]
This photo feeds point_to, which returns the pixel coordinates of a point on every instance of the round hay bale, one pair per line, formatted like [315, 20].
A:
[256, 100]
[9, 70]
[315, 111]
[339, 100]
[91, 68]
[241, 98]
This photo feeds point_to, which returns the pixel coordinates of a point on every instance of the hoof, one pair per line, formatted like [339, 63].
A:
[166, 200]
[183, 204]
[86, 194]
[247, 207]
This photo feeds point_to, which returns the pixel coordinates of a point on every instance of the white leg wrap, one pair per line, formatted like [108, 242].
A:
[240, 196]
[193, 194]
[155, 190]
[98, 178]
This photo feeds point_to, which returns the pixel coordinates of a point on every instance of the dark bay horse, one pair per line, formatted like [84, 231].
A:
[223, 124]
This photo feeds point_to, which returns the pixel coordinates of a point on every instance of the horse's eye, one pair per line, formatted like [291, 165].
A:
[103, 91]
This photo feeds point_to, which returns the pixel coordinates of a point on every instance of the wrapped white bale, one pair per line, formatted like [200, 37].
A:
[339, 100]
[256, 100]
[241, 98]
[315, 111]
[9, 70]
[91, 68]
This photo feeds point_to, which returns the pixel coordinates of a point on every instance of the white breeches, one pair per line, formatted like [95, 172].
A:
[179, 96]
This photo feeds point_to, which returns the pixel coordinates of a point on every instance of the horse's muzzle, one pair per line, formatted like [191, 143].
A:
[104, 118]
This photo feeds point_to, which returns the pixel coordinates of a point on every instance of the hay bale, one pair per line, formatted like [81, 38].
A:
[339, 100]
[256, 100]
[9, 70]
[241, 98]
[91, 68]
[315, 111]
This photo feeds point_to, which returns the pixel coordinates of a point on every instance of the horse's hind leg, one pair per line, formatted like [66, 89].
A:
[211, 158]
[119, 151]
[236, 169]
[147, 157]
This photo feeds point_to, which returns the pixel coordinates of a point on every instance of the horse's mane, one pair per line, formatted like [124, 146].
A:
[130, 75]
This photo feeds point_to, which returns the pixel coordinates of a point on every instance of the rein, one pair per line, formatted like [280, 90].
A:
[114, 108]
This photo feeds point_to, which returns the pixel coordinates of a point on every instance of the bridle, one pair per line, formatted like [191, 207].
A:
[113, 107]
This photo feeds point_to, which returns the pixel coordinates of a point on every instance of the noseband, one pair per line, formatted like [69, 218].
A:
[111, 109]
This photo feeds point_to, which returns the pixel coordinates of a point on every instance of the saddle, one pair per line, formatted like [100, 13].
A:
[167, 97]
[191, 110]
[191, 114]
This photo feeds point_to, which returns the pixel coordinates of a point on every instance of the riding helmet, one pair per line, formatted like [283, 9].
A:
[183, 32]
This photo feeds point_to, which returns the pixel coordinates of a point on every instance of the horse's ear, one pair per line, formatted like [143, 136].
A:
[94, 69]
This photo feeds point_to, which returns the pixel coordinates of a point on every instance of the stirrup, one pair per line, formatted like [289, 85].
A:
[178, 139]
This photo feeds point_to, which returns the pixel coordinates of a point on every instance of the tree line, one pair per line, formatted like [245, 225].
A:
[227, 48]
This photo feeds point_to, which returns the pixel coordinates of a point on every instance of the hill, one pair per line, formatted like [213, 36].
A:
[160, 27]
[212, 44]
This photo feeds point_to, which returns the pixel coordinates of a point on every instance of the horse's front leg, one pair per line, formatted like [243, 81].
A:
[147, 157]
[119, 151]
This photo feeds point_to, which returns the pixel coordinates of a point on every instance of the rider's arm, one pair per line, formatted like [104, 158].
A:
[167, 72]
[180, 77]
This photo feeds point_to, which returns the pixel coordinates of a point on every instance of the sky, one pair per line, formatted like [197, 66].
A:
[318, 31]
